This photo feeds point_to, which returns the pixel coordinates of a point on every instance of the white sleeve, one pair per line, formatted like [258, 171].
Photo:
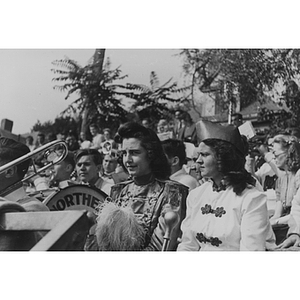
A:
[294, 220]
[254, 223]
[189, 241]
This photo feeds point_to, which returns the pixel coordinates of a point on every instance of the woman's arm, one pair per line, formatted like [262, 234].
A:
[188, 240]
[255, 224]
[277, 213]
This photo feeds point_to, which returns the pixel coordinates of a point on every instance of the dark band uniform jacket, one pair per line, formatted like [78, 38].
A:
[147, 202]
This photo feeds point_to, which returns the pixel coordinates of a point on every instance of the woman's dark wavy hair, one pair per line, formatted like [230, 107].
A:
[150, 141]
[293, 157]
[231, 164]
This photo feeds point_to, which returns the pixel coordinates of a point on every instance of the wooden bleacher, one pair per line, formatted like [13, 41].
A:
[43, 231]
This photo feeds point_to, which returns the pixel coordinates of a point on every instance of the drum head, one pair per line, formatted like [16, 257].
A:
[44, 194]
[76, 197]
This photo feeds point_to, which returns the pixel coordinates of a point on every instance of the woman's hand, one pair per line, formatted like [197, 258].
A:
[166, 208]
[274, 221]
[292, 241]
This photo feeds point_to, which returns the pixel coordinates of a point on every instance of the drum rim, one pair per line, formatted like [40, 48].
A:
[50, 197]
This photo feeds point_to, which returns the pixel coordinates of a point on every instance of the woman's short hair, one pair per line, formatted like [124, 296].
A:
[231, 164]
[150, 141]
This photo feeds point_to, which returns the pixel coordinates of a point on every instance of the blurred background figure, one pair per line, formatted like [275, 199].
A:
[195, 167]
[98, 138]
[177, 123]
[286, 151]
[108, 142]
[146, 123]
[237, 119]
[61, 172]
[108, 172]
[72, 143]
[83, 141]
[50, 137]
[162, 126]
[188, 131]
[29, 142]
[176, 155]
[40, 140]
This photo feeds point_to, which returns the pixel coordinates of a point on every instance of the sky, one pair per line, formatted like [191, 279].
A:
[26, 86]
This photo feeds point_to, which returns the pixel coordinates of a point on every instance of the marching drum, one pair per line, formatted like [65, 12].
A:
[43, 194]
[75, 197]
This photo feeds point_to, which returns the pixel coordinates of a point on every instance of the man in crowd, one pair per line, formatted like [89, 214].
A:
[41, 140]
[109, 172]
[237, 119]
[176, 155]
[108, 143]
[61, 172]
[177, 122]
[72, 143]
[11, 186]
[98, 138]
[88, 166]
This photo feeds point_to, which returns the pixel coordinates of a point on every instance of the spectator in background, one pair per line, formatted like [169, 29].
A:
[237, 119]
[178, 123]
[162, 126]
[108, 172]
[188, 132]
[176, 155]
[61, 172]
[60, 175]
[146, 123]
[62, 136]
[195, 168]
[50, 137]
[98, 138]
[83, 141]
[287, 155]
[108, 142]
[40, 141]
[29, 142]
[72, 143]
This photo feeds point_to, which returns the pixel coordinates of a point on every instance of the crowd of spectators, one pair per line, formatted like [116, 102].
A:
[201, 159]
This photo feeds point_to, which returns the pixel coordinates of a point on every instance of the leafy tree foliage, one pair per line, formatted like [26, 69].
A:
[248, 73]
[99, 98]
[155, 101]
[60, 125]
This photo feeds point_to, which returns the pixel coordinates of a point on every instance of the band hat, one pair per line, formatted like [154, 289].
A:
[229, 133]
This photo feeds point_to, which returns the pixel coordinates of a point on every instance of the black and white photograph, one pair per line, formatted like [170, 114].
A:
[138, 135]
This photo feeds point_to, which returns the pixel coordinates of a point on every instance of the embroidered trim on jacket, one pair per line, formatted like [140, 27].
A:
[218, 212]
[213, 240]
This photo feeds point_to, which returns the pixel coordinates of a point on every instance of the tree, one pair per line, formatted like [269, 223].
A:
[99, 98]
[60, 125]
[244, 74]
[154, 101]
